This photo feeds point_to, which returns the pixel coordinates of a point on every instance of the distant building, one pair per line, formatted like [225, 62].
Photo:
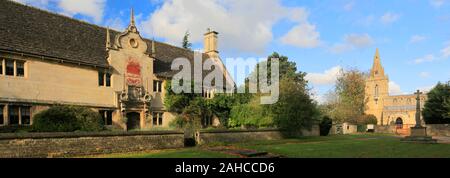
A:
[397, 110]
[48, 59]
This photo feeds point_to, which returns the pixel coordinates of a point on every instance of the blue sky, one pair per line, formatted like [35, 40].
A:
[320, 36]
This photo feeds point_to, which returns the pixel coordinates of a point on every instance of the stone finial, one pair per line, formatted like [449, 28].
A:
[132, 21]
[153, 49]
[108, 39]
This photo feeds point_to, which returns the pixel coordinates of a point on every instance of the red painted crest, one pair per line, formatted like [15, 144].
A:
[133, 72]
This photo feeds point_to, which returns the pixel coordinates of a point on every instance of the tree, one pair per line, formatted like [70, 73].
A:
[437, 107]
[347, 101]
[294, 110]
[186, 44]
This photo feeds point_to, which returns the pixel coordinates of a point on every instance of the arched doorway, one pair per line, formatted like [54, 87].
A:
[133, 121]
[399, 123]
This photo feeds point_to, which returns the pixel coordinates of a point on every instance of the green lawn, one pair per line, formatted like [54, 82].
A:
[348, 146]
[351, 146]
[178, 153]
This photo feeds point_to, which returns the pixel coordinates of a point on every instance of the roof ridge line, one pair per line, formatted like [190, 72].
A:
[88, 23]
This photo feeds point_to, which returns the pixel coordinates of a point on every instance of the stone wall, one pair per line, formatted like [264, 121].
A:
[438, 130]
[240, 136]
[79, 144]
[237, 136]
[386, 129]
[432, 129]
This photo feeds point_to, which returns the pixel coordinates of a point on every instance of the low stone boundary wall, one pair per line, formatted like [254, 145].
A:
[79, 144]
[237, 136]
[240, 136]
[432, 129]
[438, 130]
[385, 129]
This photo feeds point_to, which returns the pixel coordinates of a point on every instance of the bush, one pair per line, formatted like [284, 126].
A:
[249, 115]
[366, 120]
[67, 119]
[15, 129]
[325, 126]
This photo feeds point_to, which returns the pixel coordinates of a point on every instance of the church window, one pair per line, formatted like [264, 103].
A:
[376, 90]
[9, 67]
[157, 86]
[101, 79]
[2, 121]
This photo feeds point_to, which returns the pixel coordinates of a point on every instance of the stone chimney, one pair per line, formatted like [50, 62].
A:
[211, 47]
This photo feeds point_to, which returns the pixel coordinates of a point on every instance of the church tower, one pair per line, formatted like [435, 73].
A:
[377, 89]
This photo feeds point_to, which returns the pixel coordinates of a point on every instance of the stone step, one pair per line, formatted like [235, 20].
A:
[252, 154]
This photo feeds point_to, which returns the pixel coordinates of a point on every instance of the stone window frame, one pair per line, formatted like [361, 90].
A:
[108, 121]
[2, 114]
[20, 114]
[208, 93]
[157, 86]
[15, 74]
[159, 118]
[106, 79]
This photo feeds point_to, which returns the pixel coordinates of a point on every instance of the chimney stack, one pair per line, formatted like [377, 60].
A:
[211, 47]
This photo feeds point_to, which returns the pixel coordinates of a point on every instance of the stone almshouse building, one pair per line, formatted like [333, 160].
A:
[389, 110]
[48, 59]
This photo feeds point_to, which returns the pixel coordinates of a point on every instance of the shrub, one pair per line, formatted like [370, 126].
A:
[325, 126]
[15, 129]
[366, 119]
[67, 119]
[249, 115]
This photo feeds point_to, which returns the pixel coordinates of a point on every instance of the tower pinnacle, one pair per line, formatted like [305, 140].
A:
[377, 68]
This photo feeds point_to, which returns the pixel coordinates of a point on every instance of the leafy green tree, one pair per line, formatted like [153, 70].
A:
[294, 110]
[186, 44]
[347, 101]
[437, 107]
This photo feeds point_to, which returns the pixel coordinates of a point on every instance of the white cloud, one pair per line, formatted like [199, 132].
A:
[437, 3]
[394, 89]
[328, 77]
[426, 88]
[302, 36]
[417, 38]
[359, 40]
[427, 58]
[89, 8]
[241, 28]
[37, 3]
[424, 74]
[389, 18]
[351, 42]
[446, 52]
[349, 6]
[116, 24]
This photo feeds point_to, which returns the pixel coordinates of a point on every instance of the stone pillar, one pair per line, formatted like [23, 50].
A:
[418, 132]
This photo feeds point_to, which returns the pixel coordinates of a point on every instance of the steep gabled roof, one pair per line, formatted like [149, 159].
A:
[28, 30]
